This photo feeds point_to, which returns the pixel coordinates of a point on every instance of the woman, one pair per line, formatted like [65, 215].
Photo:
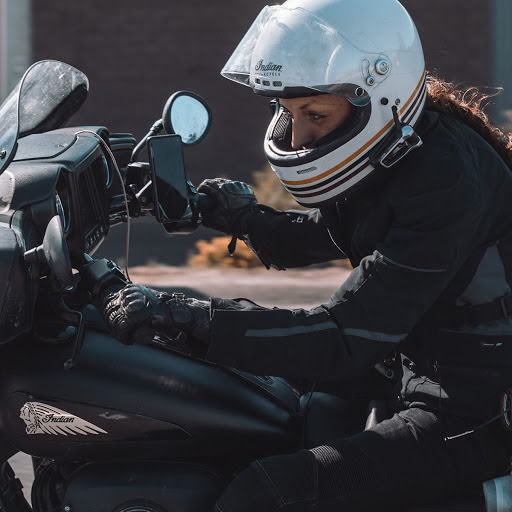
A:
[418, 199]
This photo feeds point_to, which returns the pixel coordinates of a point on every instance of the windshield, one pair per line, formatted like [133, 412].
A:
[8, 127]
[48, 94]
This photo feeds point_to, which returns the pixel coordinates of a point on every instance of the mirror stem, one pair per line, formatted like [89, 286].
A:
[156, 128]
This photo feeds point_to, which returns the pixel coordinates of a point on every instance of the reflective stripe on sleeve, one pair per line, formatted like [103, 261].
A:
[375, 336]
[415, 269]
[289, 331]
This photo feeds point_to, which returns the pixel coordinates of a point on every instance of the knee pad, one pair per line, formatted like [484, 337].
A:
[279, 483]
[346, 474]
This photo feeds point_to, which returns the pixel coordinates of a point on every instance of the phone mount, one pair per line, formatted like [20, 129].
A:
[186, 118]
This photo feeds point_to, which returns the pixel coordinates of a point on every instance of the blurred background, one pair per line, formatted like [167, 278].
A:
[137, 53]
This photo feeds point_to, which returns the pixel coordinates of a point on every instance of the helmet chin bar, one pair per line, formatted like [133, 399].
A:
[400, 141]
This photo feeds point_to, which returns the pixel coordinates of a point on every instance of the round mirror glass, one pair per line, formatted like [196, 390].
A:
[189, 118]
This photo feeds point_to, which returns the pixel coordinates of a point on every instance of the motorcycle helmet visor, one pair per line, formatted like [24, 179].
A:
[288, 52]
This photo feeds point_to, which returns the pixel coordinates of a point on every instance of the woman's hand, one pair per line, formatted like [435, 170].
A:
[233, 201]
[127, 309]
[132, 306]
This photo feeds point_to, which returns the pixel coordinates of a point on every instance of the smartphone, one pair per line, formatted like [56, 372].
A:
[170, 191]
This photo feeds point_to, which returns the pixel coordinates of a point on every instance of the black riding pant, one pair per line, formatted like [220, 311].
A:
[401, 460]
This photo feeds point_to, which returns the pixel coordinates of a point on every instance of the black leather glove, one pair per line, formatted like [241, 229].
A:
[234, 200]
[127, 309]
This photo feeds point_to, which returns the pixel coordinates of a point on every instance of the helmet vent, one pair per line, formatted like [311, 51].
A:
[282, 128]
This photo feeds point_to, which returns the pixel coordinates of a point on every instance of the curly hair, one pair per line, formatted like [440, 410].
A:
[468, 106]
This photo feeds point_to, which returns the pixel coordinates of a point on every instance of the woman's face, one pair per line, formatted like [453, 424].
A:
[314, 117]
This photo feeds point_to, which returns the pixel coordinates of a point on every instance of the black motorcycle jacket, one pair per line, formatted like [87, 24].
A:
[431, 246]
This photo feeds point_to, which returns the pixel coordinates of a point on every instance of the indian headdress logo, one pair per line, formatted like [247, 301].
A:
[45, 419]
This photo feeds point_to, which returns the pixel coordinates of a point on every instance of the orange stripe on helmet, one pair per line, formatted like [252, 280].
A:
[362, 148]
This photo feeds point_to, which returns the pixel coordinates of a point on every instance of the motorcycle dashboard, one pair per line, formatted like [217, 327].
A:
[70, 177]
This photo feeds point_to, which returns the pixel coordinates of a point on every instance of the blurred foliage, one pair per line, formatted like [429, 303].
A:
[507, 115]
[269, 190]
[214, 253]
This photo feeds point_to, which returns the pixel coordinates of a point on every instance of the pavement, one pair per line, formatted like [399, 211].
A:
[285, 289]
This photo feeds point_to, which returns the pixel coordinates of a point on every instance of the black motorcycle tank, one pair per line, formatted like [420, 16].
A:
[137, 401]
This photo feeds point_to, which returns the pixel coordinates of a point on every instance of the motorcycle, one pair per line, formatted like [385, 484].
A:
[149, 427]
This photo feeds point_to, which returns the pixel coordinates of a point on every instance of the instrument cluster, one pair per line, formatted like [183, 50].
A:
[66, 173]
[81, 194]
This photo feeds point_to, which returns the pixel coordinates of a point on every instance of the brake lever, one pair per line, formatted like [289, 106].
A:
[79, 341]
[65, 324]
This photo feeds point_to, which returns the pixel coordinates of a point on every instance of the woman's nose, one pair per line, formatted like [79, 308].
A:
[302, 135]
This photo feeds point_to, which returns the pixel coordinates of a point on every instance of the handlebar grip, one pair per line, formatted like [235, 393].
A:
[205, 203]
[101, 277]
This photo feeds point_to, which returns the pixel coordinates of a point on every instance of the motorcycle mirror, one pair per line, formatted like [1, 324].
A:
[188, 115]
[54, 253]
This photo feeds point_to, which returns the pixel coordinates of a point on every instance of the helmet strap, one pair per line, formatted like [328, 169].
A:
[398, 143]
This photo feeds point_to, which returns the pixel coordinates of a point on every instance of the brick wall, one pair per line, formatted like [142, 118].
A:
[456, 36]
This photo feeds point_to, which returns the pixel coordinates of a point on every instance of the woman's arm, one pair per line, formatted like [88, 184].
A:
[288, 239]
[281, 239]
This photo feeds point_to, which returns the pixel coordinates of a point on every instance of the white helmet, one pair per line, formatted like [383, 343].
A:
[367, 51]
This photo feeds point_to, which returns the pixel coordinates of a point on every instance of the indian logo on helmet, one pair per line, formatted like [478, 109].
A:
[260, 66]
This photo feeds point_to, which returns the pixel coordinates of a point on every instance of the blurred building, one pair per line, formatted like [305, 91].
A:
[137, 53]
